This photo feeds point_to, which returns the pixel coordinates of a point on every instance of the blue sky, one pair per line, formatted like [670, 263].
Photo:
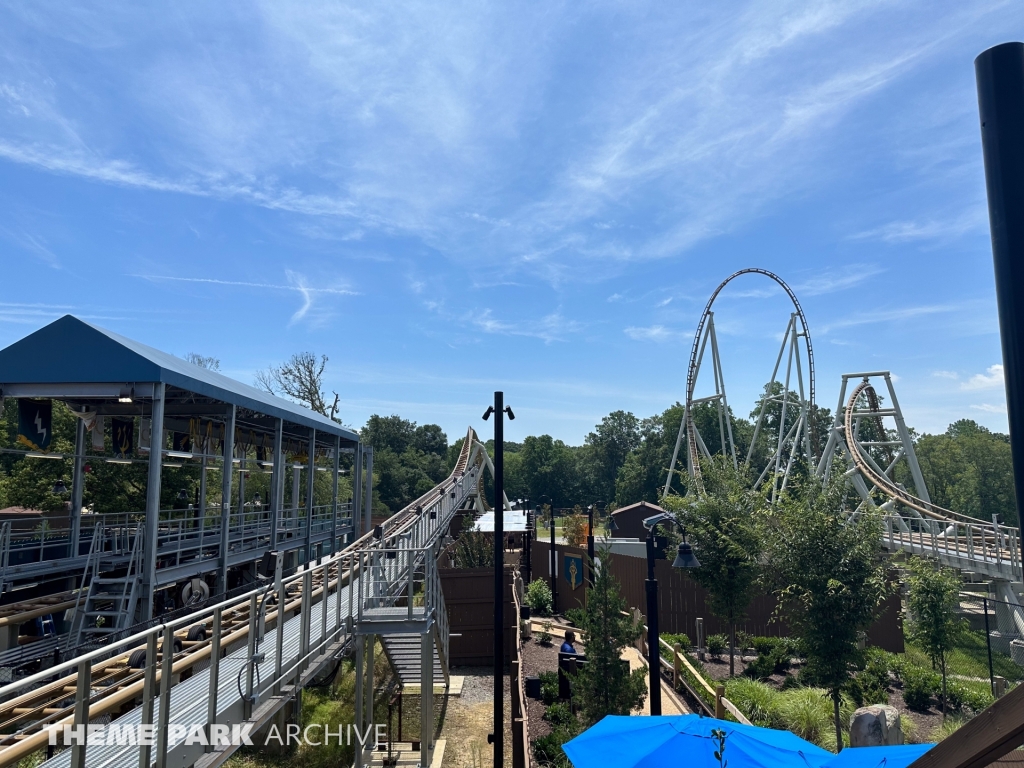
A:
[448, 199]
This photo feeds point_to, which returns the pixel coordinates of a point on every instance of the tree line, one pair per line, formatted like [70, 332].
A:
[623, 460]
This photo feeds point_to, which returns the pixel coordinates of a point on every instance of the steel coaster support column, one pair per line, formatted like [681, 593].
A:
[81, 718]
[166, 667]
[723, 404]
[336, 468]
[360, 653]
[764, 403]
[675, 453]
[908, 444]
[148, 695]
[368, 490]
[1000, 76]
[77, 488]
[371, 643]
[228, 447]
[156, 454]
[427, 698]
[310, 477]
[276, 481]
[357, 491]
[215, 654]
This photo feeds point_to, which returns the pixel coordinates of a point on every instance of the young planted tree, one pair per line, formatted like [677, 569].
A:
[604, 685]
[722, 528]
[575, 528]
[828, 576]
[932, 601]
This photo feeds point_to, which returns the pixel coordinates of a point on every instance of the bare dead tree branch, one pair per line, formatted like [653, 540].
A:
[299, 378]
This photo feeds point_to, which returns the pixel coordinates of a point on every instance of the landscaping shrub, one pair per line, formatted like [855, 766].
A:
[743, 641]
[559, 714]
[716, 645]
[682, 639]
[871, 684]
[807, 712]
[757, 700]
[966, 698]
[548, 750]
[538, 597]
[548, 687]
[919, 685]
[774, 657]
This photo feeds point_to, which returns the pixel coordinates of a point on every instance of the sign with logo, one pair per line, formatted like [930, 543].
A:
[573, 570]
[35, 424]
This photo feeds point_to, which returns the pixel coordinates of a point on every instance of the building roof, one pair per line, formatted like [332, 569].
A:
[644, 505]
[72, 351]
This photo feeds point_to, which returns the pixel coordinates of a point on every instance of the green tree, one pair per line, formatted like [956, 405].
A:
[933, 600]
[604, 685]
[610, 443]
[827, 573]
[722, 525]
[968, 469]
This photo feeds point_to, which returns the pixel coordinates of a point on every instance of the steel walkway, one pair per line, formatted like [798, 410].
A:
[386, 583]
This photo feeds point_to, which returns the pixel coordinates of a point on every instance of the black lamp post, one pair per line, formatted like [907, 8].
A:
[590, 539]
[684, 559]
[499, 409]
[528, 542]
[553, 555]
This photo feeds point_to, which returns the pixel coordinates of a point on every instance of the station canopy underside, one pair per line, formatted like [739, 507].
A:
[92, 368]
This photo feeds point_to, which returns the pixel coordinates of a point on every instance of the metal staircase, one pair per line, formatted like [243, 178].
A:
[110, 603]
[403, 652]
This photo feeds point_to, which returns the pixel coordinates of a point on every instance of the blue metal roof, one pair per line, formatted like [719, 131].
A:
[72, 351]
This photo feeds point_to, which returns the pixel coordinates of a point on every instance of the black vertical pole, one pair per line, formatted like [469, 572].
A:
[1000, 76]
[499, 579]
[528, 542]
[554, 579]
[653, 641]
[988, 643]
[590, 540]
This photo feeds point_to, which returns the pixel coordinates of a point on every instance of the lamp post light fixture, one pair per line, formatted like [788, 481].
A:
[684, 559]
[499, 409]
[551, 560]
[59, 488]
[182, 496]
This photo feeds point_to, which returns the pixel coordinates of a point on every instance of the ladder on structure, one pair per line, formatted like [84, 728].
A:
[110, 603]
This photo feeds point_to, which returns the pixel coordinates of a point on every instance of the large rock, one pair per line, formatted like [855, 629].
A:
[876, 726]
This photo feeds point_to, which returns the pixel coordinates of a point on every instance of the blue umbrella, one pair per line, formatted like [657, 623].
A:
[686, 740]
[878, 757]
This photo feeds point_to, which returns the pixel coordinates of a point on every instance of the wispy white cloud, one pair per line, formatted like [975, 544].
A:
[991, 379]
[552, 327]
[990, 408]
[906, 231]
[657, 333]
[890, 315]
[297, 283]
[946, 375]
[841, 279]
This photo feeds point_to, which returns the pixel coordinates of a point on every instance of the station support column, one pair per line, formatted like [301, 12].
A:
[276, 482]
[310, 476]
[156, 455]
[335, 468]
[368, 490]
[77, 488]
[357, 491]
[228, 446]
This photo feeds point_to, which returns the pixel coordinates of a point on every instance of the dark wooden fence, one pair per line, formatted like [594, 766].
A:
[469, 596]
[681, 601]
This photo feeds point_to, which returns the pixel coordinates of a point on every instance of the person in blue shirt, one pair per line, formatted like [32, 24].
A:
[570, 638]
